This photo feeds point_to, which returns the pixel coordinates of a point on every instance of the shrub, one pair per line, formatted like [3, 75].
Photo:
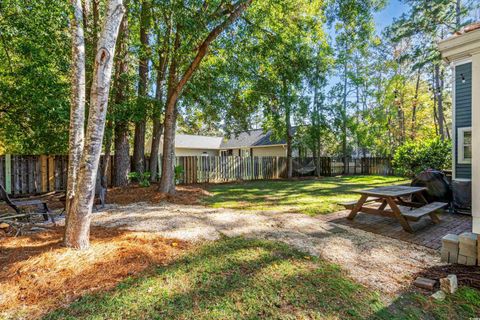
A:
[414, 157]
[178, 174]
[143, 179]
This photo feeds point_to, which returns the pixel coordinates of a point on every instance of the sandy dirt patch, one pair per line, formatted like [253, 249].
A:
[379, 262]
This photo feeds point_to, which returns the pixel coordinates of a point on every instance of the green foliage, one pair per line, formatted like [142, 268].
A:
[285, 62]
[143, 179]
[414, 157]
[35, 52]
[178, 171]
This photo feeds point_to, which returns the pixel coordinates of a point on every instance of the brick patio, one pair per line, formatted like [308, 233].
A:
[426, 233]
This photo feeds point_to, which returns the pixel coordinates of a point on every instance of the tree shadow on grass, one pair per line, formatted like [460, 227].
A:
[233, 278]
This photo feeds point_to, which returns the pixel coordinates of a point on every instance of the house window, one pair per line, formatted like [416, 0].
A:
[465, 145]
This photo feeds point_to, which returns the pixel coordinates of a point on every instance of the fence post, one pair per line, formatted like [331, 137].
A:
[51, 173]
[8, 173]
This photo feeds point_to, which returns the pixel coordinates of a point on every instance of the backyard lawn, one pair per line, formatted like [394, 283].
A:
[253, 279]
[318, 196]
[231, 278]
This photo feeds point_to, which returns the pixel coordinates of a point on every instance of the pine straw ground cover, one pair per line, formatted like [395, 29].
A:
[142, 276]
[188, 195]
[38, 274]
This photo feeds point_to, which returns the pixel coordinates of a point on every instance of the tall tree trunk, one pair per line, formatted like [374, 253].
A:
[167, 183]
[121, 144]
[77, 103]
[288, 128]
[401, 122]
[163, 55]
[447, 131]
[439, 94]
[140, 126]
[289, 143]
[108, 140]
[435, 117]
[91, 27]
[122, 154]
[344, 119]
[414, 108]
[77, 228]
[155, 148]
[316, 130]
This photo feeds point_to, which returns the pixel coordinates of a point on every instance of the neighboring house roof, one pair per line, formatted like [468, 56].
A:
[469, 28]
[251, 138]
[197, 142]
[246, 139]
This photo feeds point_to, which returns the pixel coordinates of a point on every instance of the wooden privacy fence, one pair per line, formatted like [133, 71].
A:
[35, 174]
[206, 169]
[46, 173]
[367, 165]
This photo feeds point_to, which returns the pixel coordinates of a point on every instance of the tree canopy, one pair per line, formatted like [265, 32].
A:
[317, 73]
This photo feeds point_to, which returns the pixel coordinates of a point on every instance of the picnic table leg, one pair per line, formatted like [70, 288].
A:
[420, 195]
[398, 214]
[48, 213]
[432, 215]
[357, 207]
[383, 205]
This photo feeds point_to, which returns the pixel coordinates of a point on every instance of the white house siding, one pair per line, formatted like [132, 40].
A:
[274, 151]
[194, 152]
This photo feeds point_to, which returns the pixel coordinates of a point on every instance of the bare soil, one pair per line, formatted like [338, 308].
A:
[385, 264]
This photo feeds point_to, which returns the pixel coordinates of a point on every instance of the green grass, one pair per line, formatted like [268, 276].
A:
[253, 279]
[306, 196]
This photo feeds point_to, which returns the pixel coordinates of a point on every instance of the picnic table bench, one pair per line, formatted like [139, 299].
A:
[401, 209]
[17, 205]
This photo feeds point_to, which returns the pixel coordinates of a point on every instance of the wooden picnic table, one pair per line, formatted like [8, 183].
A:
[404, 210]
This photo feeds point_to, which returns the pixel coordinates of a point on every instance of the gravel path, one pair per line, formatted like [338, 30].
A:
[376, 261]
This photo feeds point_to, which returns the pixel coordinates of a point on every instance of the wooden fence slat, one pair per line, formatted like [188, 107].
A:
[31, 174]
[8, 173]
[40, 174]
[51, 173]
[2, 170]
[16, 175]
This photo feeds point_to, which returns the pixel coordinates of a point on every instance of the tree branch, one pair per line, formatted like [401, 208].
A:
[203, 48]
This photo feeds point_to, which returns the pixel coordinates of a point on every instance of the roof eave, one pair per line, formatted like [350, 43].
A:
[460, 47]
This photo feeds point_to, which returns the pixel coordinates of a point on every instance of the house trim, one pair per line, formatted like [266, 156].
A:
[460, 144]
[456, 50]
[196, 148]
[262, 146]
[475, 137]
[457, 47]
